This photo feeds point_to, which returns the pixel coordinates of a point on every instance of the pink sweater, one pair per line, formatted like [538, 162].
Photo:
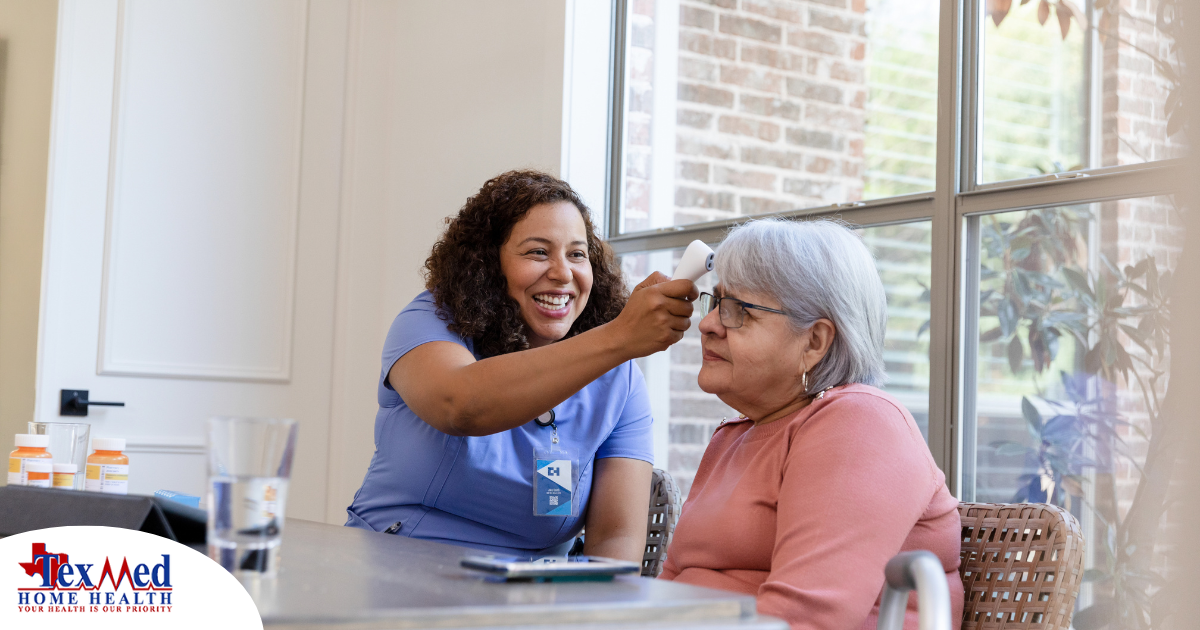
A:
[804, 512]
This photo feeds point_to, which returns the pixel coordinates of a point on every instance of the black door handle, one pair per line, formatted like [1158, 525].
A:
[74, 402]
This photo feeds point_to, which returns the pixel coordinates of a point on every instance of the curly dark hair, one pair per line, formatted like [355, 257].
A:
[463, 270]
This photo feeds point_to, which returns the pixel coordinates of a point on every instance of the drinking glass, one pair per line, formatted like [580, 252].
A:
[249, 464]
[68, 444]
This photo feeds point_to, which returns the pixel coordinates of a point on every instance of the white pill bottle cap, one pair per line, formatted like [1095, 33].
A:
[36, 466]
[108, 444]
[29, 440]
[66, 468]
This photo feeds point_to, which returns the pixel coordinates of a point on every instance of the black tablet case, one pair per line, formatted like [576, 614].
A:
[24, 509]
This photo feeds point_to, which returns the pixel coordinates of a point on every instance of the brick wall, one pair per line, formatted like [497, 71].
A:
[771, 102]
[1134, 91]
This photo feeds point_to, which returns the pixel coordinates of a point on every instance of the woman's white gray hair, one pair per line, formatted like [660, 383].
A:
[816, 269]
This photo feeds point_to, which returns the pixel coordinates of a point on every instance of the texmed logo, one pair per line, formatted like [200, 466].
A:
[60, 584]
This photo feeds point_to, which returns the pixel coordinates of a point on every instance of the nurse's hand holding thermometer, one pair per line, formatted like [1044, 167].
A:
[663, 306]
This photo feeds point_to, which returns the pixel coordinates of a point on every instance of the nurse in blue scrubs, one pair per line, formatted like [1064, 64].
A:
[524, 336]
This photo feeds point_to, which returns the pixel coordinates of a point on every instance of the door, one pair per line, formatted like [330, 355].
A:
[191, 226]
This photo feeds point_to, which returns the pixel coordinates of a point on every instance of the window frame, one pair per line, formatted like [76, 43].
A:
[953, 207]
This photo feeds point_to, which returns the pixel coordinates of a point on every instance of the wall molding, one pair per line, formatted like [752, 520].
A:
[166, 445]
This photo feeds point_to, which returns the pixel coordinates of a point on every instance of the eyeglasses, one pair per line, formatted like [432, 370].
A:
[733, 310]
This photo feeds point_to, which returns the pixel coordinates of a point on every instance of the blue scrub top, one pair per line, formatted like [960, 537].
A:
[478, 491]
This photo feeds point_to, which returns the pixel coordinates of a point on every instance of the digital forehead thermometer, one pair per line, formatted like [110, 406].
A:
[697, 260]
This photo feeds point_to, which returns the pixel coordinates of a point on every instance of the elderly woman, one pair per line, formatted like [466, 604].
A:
[803, 498]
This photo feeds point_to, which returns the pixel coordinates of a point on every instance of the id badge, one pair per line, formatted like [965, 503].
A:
[554, 483]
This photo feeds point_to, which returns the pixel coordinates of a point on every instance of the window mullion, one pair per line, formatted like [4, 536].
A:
[616, 118]
[967, 23]
[872, 213]
[1127, 182]
[945, 294]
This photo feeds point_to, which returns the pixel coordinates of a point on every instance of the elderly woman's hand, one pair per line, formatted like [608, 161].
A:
[658, 312]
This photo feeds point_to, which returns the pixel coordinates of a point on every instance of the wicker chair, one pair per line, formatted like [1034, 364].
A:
[664, 513]
[1021, 566]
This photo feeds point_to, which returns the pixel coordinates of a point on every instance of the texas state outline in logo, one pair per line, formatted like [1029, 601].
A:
[108, 577]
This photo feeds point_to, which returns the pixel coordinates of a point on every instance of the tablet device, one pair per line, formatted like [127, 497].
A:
[550, 567]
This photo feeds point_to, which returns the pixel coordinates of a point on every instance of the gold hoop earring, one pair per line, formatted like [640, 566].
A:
[804, 381]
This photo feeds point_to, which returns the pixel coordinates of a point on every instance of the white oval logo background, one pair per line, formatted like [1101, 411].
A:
[200, 594]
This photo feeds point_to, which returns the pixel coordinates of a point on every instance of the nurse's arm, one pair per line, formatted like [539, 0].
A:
[447, 388]
[617, 509]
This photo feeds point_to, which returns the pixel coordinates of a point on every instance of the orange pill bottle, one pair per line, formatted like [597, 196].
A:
[107, 467]
[29, 448]
[38, 472]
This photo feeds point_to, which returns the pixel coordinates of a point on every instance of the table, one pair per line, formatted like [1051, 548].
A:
[347, 578]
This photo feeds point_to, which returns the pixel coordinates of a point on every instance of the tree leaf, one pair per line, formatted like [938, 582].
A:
[990, 335]
[1078, 281]
[1137, 337]
[1174, 98]
[1007, 312]
[1037, 349]
[1032, 417]
[1016, 354]
[924, 327]
[1175, 120]
[999, 9]
[1146, 326]
[1064, 18]
[1043, 12]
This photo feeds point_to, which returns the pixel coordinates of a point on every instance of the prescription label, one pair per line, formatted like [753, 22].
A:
[16, 470]
[107, 478]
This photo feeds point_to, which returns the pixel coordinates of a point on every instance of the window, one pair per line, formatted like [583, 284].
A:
[1067, 88]
[1071, 367]
[1025, 241]
[741, 109]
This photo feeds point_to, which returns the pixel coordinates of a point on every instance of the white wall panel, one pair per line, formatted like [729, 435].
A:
[203, 192]
[194, 185]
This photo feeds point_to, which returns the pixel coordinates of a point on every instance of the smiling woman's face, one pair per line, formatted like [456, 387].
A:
[545, 261]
